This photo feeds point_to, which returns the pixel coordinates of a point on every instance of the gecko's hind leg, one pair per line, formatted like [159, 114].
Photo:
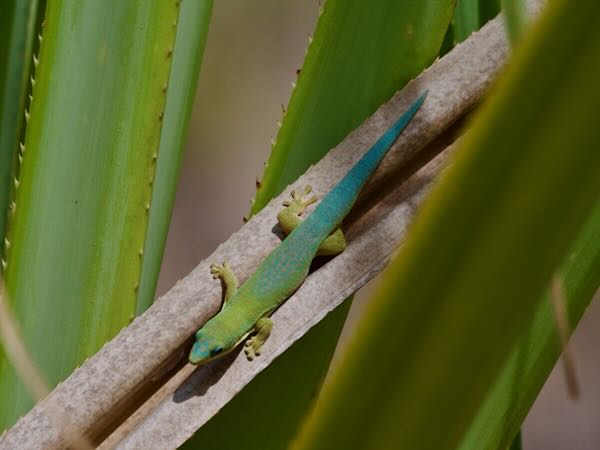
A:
[230, 282]
[254, 343]
[333, 244]
[289, 218]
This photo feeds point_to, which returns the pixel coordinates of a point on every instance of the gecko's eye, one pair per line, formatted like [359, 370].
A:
[216, 351]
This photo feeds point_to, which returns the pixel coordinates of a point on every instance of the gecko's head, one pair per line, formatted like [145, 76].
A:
[204, 349]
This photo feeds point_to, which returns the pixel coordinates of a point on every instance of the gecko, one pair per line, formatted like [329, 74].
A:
[246, 310]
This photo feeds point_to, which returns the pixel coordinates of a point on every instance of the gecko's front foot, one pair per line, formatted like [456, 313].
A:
[223, 272]
[253, 345]
[299, 201]
[251, 349]
[219, 270]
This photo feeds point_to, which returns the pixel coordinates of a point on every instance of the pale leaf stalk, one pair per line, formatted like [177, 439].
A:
[31, 377]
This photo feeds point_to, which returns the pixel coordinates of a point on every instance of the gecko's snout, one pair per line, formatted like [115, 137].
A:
[199, 353]
[203, 351]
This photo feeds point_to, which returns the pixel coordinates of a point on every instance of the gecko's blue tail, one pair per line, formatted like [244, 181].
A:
[394, 131]
[365, 167]
[336, 204]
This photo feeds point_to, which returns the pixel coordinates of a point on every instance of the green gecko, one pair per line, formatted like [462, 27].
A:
[246, 310]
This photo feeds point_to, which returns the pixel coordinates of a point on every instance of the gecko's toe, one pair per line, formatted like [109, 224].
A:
[249, 353]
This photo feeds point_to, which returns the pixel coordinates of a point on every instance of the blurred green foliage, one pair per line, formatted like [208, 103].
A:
[480, 255]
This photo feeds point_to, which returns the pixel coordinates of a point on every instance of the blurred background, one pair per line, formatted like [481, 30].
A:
[253, 52]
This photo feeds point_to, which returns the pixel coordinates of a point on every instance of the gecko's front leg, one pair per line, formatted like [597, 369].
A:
[230, 282]
[262, 330]
[289, 218]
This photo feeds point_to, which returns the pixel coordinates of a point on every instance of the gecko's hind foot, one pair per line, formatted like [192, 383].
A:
[299, 199]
